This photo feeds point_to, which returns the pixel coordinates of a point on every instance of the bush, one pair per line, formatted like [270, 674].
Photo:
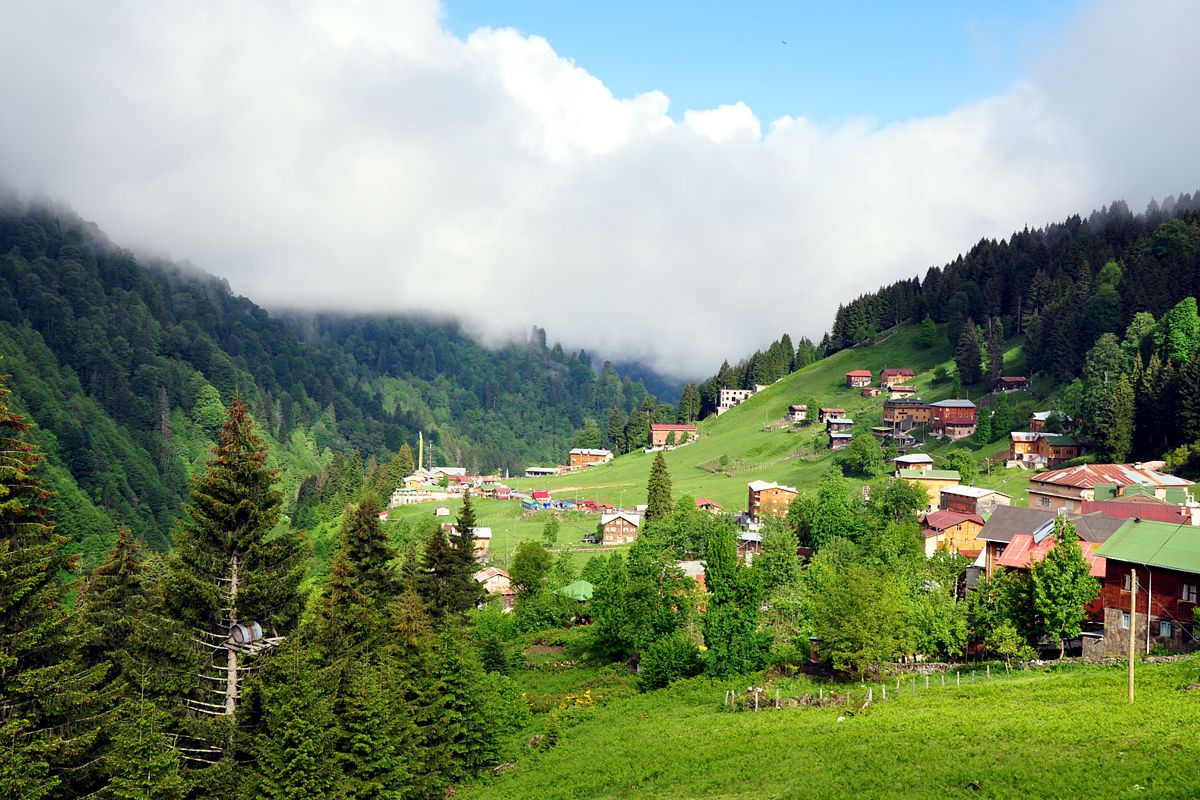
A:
[669, 659]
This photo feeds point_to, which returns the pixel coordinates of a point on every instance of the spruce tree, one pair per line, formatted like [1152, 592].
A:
[927, 336]
[1113, 425]
[1001, 419]
[995, 348]
[731, 636]
[616, 432]
[446, 582]
[658, 491]
[464, 736]
[967, 355]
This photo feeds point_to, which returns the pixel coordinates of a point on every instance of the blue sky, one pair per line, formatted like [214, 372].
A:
[884, 60]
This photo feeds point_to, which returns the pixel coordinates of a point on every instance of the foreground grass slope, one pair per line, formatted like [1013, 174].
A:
[755, 450]
[1058, 733]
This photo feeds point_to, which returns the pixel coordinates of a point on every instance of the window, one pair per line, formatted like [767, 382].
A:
[1164, 629]
[1125, 620]
[1188, 595]
[1045, 501]
[1128, 586]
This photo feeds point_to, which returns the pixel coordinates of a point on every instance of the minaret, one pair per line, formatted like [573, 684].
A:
[420, 450]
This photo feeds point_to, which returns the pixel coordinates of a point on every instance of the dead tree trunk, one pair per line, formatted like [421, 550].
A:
[231, 663]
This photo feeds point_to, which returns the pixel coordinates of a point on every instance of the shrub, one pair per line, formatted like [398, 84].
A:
[669, 659]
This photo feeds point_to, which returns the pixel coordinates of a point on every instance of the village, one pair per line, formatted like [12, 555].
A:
[1130, 518]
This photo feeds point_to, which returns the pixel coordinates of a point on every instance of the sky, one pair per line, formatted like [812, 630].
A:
[673, 185]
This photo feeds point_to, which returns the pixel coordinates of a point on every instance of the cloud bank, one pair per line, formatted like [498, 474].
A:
[357, 156]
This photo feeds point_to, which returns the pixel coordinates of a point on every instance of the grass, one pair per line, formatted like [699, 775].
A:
[1060, 732]
[792, 456]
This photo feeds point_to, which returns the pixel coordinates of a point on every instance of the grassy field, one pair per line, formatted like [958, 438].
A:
[1054, 733]
[511, 524]
[792, 456]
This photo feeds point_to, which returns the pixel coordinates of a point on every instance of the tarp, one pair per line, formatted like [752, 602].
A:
[579, 590]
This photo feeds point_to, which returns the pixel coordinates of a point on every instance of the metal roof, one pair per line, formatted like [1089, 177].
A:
[953, 404]
[915, 458]
[1007, 522]
[935, 474]
[759, 486]
[970, 491]
[1086, 476]
[1156, 544]
[632, 519]
[940, 520]
[1024, 550]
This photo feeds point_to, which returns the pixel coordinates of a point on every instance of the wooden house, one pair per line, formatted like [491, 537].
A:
[871, 391]
[933, 481]
[840, 441]
[838, 424]
[1041, 421]
[663, 435]
[482, 540]
[749, 545]
[825, 413]
[497, 582]
[901, 392]
[798, 413]
[1069, 487]
[858, 378]
[952, 531]
[914, 461]
[586, 456]
[892, 376]
[765, 499]
[903, 414]
[619, 528]
[1011, 383]
[1166, 558]
[711, 506]
[1040, 449]
[972, 499]
[1026, 527]
[954, 419]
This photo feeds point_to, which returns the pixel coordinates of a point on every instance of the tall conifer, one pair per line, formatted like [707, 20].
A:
[658, 491]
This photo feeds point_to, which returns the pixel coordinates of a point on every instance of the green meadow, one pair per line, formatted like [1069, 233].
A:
[1063, 731]
[756, 444]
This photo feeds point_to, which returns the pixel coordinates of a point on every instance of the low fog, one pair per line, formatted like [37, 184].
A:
[359, 157]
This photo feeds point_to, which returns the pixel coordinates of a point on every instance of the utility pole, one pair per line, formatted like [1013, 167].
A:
[1133, 586]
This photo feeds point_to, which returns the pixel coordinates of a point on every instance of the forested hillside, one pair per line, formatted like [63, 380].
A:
[126, 366]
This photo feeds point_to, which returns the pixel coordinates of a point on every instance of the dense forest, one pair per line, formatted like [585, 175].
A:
[126, 365]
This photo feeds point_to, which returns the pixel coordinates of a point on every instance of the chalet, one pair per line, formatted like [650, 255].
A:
[881, 432]
[1011, 383]
[619, 528]
[416, 480]
[798, 413]
[838, 424]
[916, 461]
[663, 435]
[858, 378]
[901, 392]
[1166, 558]
[541, 472]
[766, 499]
[951, 531]
[905, 413]
[954, 419]
[825, 413]
[1043, 420]
[482, 536]
[586, 456]
[972, 499]
[732, 397]
[502, 492]
[1038, 449]
[1028, 548]
[840, 441]
[541, 497]
[933, 480]
[497, 582]
[894, 376]
[749, 545]
[1069, 487]
[871, 391]
[1009, 523]
[436, 473]
[711, 506]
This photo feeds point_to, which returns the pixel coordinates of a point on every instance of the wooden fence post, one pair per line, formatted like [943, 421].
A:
[958, 679]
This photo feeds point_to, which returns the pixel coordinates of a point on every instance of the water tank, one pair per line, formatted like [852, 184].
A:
[244, 634]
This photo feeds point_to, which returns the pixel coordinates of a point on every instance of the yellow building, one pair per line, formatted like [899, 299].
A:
[934, 480]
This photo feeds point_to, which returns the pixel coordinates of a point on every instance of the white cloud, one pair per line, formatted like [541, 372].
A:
[359, 156]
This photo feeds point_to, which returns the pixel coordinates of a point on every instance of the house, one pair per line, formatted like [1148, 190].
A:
[749, 545]
[917, 461]
[1039, 420]
[497, 581]
[840, 441]
[585, 456]
[858, 378]
[711, 506]
[825, 413]
[1037, 448]
[1166, 559]
[881, 432]
[1011, 383]
[482, 537]
[934, 480]
[1138, 502]
[502, 492]
[871, 391]
[695, 571]
[441, 511]
[663, 435]
[619, 528]
[436, 473]
[540, 497]
[541, 472]
[1008, 523]
[903, 414]
[972, 499]
[838, 424]
[1027, 549]
[901, 392]
[732, 397]
[1069, 487]
[890, 376]
[954, 419]
[798, 413]
[952, 531]
[766, 499]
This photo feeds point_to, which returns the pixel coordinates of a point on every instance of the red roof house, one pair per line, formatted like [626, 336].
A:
[891, 376]
[858, 378]
[662, 435]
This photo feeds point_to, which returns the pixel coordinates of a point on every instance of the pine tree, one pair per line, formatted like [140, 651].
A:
[446, 583]
[42, 685]
[731, 619]
[1113, 425]
[983, 429]
[1001, 419]
[995, 348]
[658, 491]
[927, 336]
[1187, 391]
[464, 738]
[616, 432]
[967, 354]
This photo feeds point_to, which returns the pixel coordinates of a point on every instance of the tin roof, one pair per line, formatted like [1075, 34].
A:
[859, 373]
[657, 427]
[632, 519]
[915, 458]
[1086, 476]
[1156, 544]
[934, 474]
[970, 491]
[1025, 550]
[953, 404]
[940, 520]
[759, 486]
